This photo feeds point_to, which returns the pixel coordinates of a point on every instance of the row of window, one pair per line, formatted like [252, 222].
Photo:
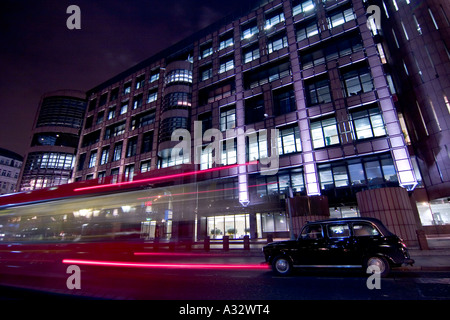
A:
[362, 173]
[105, 156]
[335, 18]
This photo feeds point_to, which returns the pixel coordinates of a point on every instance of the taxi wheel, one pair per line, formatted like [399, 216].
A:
[282, 265]
[377, 264]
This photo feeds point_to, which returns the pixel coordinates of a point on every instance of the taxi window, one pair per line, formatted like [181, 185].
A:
[338, 231]
[364, 230]
[312, 232]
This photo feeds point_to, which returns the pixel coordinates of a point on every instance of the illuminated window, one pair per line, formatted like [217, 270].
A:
[338, 18]
[249, 30]
[356, 79]
[117, 151]
[152, 95]
[306, 30]
[303, 7]
[274, 18]
[318, 90]
[324, 132]
[277, 42]
[227, 118]
[367, 123]
[93, 159]
[226, 40]
[226, 64]
[289, 140]
[251, 53]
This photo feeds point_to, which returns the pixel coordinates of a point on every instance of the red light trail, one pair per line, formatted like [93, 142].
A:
[165, 265]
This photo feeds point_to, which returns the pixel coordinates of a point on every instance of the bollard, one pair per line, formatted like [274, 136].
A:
[269, 238]
[246, 243]
[226, 243]
[207, 243]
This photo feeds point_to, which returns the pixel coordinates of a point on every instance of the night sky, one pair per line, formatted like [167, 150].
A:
[39, 54]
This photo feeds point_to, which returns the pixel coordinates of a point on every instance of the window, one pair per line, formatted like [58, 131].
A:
[249, 30]
[117, 151]
[145, 166]
[306, 30]
[226, 64]
[312, 232]
[254, 110]
[274, 18]
[123, 108]
[131, 147]
[206, 50]
[169, 125]
[318, 90]
[331, 50]
[280, 183]
[333, 176]
[356, 79]
[284, 101]
[206, 72]
[111, 113]
[177, 100]
[266, 74]
[166, 160]
[142, 120]
[154, 76]
[257, 145]
[277, 42]
[147, 142]
[367, 123]
[100, 117]
[105, 156]
[115, 175]
[152, 95]
[129, 172]
[217, 92]
[251, 53]
[302, 7]
[340, 17]
[338, 231]
[226, 40]
[93, 159]
[289, 140]
[227, 118]
[229, 152]
[361, 229]
[127, 88]
[140, 81]
[115, 130]
[179, 76]
[137, 101]
[324, 132]
[206, 120]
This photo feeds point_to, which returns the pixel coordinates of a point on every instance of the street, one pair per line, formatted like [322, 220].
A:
[236, 284]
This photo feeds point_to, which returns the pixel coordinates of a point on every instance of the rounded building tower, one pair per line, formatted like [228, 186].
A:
[54, 140]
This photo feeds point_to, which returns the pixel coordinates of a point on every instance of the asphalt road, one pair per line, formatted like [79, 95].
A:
[252, 285]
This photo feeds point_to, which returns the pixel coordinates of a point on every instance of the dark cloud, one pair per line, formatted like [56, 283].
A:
[39, 54]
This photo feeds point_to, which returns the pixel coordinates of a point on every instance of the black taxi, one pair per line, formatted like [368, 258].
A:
[344, 243]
